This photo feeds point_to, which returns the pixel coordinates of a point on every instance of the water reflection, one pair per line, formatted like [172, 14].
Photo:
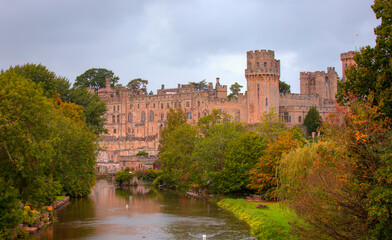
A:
[142, 213]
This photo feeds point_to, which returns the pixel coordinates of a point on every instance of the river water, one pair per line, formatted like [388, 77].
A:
[142, 213]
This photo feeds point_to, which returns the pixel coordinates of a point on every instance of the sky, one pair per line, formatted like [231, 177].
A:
[178, 41]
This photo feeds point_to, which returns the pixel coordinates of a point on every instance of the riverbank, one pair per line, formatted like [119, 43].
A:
[265, 223]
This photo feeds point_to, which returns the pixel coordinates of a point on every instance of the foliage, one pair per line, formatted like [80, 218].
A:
[204, 124]
[176, 145]
[95, 78]
[342, 186]
[235, 90]
[241, 155]
[270, 127]
[10, 212]
[272, 223]
[208, 156]
[199, 86]
[370, 80]
[148, 175]
[264, 177]
[312, 120]
[55, 86]
[137, 85]
[122, 177]
[284, 87]
[142, 153]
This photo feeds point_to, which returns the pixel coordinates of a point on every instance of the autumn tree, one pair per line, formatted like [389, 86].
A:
[370, 80]
[95, 78]
[138, 85]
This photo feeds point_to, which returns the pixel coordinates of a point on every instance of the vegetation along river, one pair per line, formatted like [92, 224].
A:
[142, 213]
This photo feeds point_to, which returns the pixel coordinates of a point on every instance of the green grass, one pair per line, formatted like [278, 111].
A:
[272, 223]
[59, 198]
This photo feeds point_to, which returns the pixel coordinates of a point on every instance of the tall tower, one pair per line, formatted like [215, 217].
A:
[347, 61]
[262, 76]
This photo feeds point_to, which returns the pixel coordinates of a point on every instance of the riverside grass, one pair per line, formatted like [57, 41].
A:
[272, 223]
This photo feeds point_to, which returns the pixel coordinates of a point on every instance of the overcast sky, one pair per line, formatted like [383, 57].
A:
[177, 41]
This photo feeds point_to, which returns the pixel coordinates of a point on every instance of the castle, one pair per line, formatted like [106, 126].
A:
[134, 121]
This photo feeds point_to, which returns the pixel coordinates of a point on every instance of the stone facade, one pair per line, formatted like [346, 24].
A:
[134, 121]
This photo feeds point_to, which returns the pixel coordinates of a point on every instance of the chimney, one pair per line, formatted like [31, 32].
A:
[107, 82]
[217, 81]
[163, 86]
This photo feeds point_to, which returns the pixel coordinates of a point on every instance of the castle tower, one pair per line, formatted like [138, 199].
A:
[347, 61]
[262, 76]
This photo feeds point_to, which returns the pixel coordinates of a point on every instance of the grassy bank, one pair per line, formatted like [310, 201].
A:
[272, 223]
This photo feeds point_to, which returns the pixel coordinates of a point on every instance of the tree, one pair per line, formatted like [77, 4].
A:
[264, 177]
[199, 86]
[270, 127]
[241, 155]
[137, 85]
[95, 78]
[312, 120]
[215, 117]
[370, 80]
[235, 89]
[284, 87]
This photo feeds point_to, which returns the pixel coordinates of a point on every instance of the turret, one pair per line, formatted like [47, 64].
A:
[262, 76]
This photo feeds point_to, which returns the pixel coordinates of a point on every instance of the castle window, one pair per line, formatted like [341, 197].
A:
[258, 91]
[168, 105]
[198, 103]
[286, 117]
[130, 118]
[162, 116]
[198, 115]
[190, 115]
[143, 117]
[131, 106]
[118, 108]
[175, 104]
[151, 116]
[154, 105]
[114, 130]
[258, 64]
[161, 105]
[118, 118]
[138, 106]
[113, 119]
[147, 105]
[187, 104]
[265, 64]
[299, 119]
[133, 131]
[266, 102]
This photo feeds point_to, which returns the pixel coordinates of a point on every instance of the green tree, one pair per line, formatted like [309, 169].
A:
[95, 78]
[312, 120]
[235, 90]
[209, 152]
[122, 177]
[270, 127]
[137, 85]
[199, 86]
[204, 124]
[284, 87]
[10, 212]
[241, 155]
[370, 80]
[175, 147]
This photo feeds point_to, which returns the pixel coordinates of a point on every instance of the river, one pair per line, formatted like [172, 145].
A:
[142, 213]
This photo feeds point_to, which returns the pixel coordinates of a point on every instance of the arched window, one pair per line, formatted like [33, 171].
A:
[118, 118]
[151, 116]
[130, 117]
[266, 102]
[143, 118]
[113, 119]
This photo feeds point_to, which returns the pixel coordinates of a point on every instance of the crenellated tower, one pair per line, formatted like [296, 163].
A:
[347, 61]
[262, 76]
